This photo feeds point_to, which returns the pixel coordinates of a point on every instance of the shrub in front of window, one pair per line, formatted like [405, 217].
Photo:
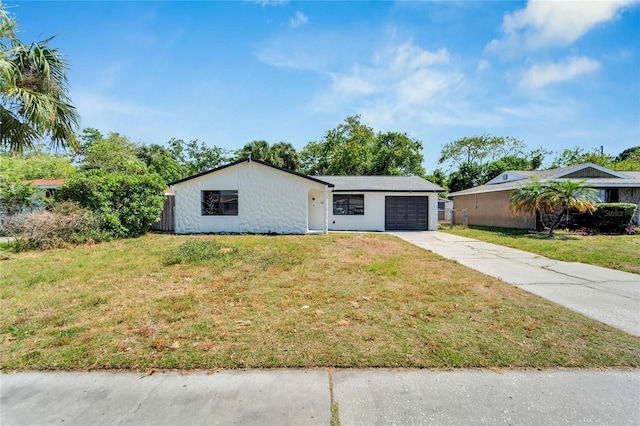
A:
[613, 217]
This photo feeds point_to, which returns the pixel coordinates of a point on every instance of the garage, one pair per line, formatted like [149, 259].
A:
[406, 213]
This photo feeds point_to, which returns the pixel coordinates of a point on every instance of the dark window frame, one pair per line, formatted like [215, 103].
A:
[214, 203]
[354, 205]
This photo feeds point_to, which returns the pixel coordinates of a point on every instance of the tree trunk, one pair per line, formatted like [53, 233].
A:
[539, 225]
[558, 220]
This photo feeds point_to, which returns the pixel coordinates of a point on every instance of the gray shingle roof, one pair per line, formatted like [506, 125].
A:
[380, 184]
[631, 180]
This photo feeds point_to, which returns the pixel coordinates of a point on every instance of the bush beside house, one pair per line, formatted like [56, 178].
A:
[124, 205]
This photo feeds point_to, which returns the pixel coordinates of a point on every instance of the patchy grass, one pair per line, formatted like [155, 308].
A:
[338, 300]
[611, 251]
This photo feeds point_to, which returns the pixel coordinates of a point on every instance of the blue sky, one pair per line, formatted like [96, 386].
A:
[554, 74]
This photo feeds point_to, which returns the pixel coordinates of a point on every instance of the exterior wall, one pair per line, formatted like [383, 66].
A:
[269, 201]
[631, 195]
[374, 209]
[490, 209]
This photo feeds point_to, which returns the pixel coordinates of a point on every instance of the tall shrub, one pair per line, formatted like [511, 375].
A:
[125, 205]
[613, 217]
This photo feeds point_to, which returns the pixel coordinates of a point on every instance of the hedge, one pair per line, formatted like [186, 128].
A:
[613, 217]
[126, 205]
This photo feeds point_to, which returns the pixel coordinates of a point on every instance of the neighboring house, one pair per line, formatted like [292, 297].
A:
[445, 210]
[47, 186]
[488, 204]
[257, 197]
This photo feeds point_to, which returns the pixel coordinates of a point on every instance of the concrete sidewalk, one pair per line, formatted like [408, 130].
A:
[606, 295]
[305, 397]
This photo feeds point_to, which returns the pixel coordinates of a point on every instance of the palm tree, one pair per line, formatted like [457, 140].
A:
[570, 195]
[530, 198]
[285, 155]
[34, 100]
[280, 154]
[258, 150]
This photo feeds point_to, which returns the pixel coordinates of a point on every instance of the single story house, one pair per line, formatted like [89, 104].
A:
[488, 204]
[257, 197]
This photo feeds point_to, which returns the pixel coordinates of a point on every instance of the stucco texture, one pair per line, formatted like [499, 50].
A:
[269, 201]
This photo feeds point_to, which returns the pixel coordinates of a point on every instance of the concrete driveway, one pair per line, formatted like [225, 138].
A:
[606, 295]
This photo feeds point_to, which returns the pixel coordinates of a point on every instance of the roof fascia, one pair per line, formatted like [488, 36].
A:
[250, 160]
[586, 165]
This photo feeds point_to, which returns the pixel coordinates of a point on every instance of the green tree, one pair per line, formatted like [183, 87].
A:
[479, 150]
[354, 149]
[531, 198]
[34, 100]
[17, 197]
[439, 177]
[629, 154]
[478, 159]
[468, 175]
[37, 164]
[125, 205]
[280, 154]
[345, 150]
[195, 157]
[112, 154]
[283, 154]
[577, 155]
[628, 160]
[259, 150]
[569, 195]
[158, 159]
[397, 154]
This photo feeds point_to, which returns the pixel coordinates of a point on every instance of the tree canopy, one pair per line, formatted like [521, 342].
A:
[280, 154]
[195, 156]
[34, 100]
[354, 149]
[35, 164]
[111, 154]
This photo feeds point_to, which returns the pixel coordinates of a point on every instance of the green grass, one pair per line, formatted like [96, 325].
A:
[338, 300]
[611, 251]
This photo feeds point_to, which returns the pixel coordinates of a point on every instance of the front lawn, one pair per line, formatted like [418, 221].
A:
[611, 251]
[338, 300]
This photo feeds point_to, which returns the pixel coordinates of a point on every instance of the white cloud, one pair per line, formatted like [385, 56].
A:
[483, 65]
[271, 2]
[540, 75]
[555, 23]
[298, 19]
[401, 83]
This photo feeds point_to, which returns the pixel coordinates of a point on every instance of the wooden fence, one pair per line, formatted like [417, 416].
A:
[166, 222]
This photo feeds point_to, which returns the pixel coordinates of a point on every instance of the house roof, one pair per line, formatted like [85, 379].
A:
[46, 183]
[380, 184]
[250, 160]
[602, 178]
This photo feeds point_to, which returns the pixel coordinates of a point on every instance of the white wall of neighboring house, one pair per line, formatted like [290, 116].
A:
[374, 212]
[269, 201]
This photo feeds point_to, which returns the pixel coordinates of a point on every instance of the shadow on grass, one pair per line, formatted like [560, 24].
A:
[525, 233]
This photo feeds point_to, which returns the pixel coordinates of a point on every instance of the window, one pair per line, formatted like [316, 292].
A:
[607, 195]
[348, 204]
[219, 203]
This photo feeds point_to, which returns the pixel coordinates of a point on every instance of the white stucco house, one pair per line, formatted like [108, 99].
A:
[257, 197]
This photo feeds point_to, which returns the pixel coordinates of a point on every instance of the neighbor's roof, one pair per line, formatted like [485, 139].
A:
[624, 179]
[249, 160]
[380, 184]
[46, 182]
